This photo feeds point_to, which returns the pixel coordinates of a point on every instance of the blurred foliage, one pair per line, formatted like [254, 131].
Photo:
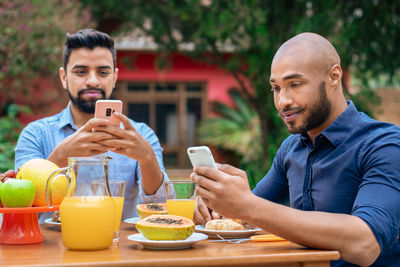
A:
[9, 133]
[237, 130]
[365, 33]
[32, 36]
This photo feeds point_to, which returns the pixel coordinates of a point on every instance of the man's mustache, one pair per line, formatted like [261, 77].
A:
[284, 111]
[100, 90]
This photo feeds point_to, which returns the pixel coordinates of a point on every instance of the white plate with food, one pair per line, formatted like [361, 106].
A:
[50, 222]
[132, 220]
[168, 244]
[226, 233]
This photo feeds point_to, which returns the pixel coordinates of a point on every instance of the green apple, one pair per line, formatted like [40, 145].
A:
[17, 193]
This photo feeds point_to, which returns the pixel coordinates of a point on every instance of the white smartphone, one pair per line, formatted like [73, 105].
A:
[106, 108]
[201, 156]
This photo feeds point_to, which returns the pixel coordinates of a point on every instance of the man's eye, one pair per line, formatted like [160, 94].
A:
[275, 89]
[295, 84]
[80, 72]
[103, 73]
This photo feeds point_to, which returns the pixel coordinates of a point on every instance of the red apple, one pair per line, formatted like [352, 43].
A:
[8, 174]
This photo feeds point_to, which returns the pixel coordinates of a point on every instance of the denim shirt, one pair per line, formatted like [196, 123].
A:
[39, 138]
[353, 168]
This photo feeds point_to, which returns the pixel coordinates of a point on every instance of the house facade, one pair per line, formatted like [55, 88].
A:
[171, 100]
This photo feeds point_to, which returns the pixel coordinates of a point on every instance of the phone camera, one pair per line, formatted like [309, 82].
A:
[108, 112]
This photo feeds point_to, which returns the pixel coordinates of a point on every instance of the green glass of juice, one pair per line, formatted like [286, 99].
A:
[180, 195]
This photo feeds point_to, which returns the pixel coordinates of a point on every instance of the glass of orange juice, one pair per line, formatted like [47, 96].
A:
[117, 190]
[180, 196]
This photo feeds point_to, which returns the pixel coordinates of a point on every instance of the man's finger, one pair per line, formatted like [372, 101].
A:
[229, 169]
[203, 210]
[199, 217]
[205, 194]
[125, 121]
[203, 182]
[215, 215]
[93, 123]
[209, 172]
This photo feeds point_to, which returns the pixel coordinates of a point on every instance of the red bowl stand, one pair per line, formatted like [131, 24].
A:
[21, 225]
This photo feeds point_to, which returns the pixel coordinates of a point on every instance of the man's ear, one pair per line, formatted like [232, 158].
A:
[115, 76]
[63, 77]
[335, 75]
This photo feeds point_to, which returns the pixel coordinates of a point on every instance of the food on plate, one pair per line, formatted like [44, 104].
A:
[147, 209]
[223, 224]
[165, 227]
[55, 217]
[17, 193]
[37, 171]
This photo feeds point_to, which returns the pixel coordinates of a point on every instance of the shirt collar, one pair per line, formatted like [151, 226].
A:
[66, 118]
[336, 132]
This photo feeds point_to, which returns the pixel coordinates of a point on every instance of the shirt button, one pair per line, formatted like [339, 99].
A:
[308, 190]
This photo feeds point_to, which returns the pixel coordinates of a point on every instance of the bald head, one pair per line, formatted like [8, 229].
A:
[309, 48]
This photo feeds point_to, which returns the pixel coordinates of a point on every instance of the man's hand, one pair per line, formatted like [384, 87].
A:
[84, 142]
[202, 214]
[126, 141]
[224, 190]
[130, 143]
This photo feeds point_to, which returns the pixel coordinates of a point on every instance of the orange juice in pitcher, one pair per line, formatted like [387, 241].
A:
[88, 211]
[87, 222]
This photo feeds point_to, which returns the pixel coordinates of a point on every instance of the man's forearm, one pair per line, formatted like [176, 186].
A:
[58, 157]
[152, 176]
[348, 234]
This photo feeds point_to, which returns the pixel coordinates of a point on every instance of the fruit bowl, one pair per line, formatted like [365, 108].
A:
[21, 225]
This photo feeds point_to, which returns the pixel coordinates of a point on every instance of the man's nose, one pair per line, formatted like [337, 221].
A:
[92, 80]
[283, 99]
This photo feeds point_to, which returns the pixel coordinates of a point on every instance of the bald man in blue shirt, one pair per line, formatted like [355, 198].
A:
[339, 168]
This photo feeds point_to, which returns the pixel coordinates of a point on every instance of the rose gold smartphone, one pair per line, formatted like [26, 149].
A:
[106, 108]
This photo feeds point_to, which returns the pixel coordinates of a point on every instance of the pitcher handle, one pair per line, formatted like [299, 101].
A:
[62, 172]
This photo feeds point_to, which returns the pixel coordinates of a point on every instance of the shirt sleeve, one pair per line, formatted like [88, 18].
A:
[159, 195]
[29, 145]
[378, 198]
[274, 185]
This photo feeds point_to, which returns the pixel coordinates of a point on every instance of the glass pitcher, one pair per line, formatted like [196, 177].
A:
[87, 212]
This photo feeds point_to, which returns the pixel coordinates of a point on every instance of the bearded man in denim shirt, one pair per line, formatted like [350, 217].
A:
[89, 73]
[339, 168]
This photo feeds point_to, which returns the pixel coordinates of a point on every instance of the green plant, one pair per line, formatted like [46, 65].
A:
[236, 130]
[32, 36]
[10, 129]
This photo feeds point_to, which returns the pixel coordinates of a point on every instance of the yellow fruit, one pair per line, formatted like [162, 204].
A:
[147, 209]
[165, 227]
[37, 171]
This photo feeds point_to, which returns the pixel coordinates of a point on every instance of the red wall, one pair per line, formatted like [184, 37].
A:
[140, 66]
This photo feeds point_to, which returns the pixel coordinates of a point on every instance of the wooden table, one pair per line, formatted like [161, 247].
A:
[128, 253]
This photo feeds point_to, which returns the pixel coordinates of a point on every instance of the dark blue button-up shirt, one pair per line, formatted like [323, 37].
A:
[353, 168]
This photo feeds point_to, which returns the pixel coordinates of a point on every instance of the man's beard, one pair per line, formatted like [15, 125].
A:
[87, 106]
[318, 113]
